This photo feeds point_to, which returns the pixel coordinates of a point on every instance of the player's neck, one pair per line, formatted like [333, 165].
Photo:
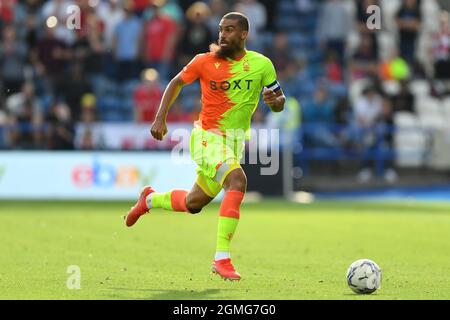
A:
[238, 55]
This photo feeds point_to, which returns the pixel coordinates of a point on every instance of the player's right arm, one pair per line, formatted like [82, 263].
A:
[159, 126]
[190, 73]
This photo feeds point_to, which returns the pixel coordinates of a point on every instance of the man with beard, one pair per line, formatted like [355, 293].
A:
[232, 79]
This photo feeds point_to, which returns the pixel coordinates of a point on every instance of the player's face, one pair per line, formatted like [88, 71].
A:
[231, 37]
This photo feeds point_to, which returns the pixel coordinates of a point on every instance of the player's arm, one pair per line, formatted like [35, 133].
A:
[159, 126]
[273, 96]
[275, 100]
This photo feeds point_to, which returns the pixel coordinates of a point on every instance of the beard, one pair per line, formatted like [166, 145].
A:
[222, 52]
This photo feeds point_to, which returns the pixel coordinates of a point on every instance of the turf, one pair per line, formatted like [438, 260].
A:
[282, 250]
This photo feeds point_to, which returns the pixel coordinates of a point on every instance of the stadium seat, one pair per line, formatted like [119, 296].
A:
[446, 107]
[432, 122]
[426, 106]
[420, 88]
[406, 120]
[410, 147]
[391, 87]
[410, 140]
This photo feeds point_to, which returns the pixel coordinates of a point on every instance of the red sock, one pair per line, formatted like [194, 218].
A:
[178, 200]
[231, 203]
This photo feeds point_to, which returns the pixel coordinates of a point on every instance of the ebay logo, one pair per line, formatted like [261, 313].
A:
[98, 174]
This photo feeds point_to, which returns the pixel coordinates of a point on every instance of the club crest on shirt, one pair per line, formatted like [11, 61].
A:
[217, 65]
[246, 65]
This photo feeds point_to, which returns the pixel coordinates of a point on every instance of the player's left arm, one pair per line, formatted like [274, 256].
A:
[273, 96]
[275, 100]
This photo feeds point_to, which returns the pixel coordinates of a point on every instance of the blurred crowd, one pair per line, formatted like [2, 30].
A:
[64, 62]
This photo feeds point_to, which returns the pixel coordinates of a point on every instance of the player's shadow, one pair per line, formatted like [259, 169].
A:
[174, 294]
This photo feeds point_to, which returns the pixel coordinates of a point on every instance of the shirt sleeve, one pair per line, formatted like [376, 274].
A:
[269, 79]
[191, 71]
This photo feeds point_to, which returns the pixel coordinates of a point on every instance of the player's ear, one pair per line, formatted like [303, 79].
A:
[244, 35]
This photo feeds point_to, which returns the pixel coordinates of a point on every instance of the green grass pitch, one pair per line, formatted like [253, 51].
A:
[282, 250]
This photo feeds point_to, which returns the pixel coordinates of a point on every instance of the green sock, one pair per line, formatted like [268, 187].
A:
[225, 232]
[160, 200]
[174, 200]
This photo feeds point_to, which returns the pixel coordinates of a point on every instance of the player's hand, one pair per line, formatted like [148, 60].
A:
[269, 97]
[159, 129]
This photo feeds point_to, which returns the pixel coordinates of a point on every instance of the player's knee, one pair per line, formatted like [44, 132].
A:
[194, 206]
[239, 183]
[236, 180]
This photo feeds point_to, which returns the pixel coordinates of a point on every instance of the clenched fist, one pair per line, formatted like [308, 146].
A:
[159, 129]
[269, 97]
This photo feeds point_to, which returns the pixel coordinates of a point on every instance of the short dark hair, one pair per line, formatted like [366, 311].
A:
[241, 18]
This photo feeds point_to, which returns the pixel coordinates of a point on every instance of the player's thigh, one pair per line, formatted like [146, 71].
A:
[235, 180]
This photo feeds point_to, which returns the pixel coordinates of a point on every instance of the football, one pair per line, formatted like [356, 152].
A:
[364, 276]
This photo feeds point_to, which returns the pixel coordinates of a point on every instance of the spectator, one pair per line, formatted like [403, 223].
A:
[88, 49]
[280, 53]
[87, 140]
[333, 69]
[88, 117]
[368, 113]
[26, 116]
[139, 6]
[60, 130]
[364, 62]
[160, 36]
[27, 21]
[394, 68]
[13, 55]
[257, 16]
[195, 36]
[127, 38]
[440, 49]
[88, 105]
[318, 118]
[73, 88]
[218, 9]
[334, 27]
[342, 113]
[404, 100]
[362, 17]
[169, 8]
[408, 20]
[147, 96]
[50, 59]
[111, 14]
[61, 10]
[368, 109]
[270, 6]
[7, 12]
[16, 102]
[296, 73]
